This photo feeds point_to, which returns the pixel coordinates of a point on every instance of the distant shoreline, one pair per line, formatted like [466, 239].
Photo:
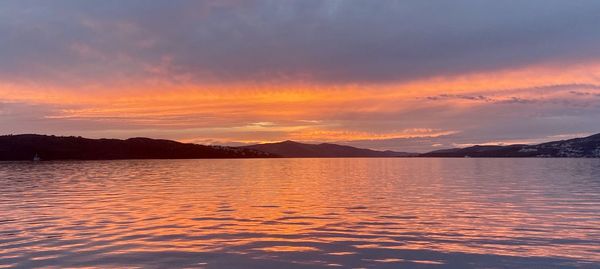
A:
[27, 147]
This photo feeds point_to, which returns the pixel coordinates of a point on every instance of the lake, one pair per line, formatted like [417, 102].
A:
[301, 213]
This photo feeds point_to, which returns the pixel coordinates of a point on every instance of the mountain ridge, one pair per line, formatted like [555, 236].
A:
[585, 147]
[26, 146]
[292, 149]
[47, 147]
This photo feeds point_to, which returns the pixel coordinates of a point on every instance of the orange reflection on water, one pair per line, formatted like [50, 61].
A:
[348, 212]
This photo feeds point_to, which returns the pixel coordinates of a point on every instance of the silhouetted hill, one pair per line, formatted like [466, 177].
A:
[301, 150]
[24, 147]
[587, 147]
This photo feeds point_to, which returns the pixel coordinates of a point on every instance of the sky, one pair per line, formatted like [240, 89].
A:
[400, 75]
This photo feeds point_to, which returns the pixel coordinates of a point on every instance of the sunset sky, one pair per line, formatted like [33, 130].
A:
[400, 75]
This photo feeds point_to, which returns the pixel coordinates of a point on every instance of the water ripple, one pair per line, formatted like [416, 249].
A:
[301, 213]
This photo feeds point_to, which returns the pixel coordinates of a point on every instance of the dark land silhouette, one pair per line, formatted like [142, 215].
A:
[293, 149]
[28, 146]
[25, 147]
[587, 147]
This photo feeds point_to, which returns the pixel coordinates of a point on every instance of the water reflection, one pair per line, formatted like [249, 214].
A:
[302, 213]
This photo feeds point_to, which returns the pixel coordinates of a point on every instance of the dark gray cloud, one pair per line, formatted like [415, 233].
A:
[536, 96]
[327, 41]
[446, 96]
[580, 93]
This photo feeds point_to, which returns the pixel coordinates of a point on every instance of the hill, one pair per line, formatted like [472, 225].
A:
[587, 147]
[25, 147]
[325, 150]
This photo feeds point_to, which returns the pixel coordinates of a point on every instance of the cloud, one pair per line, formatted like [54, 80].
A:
[580, 93]
[326, 41]
[459, 96]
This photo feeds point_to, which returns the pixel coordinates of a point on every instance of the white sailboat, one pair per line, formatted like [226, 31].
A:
[36, 158]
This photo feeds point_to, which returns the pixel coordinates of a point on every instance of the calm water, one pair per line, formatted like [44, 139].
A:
[302, 213]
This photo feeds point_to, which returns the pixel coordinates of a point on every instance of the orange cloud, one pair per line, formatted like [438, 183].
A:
[300, 111]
